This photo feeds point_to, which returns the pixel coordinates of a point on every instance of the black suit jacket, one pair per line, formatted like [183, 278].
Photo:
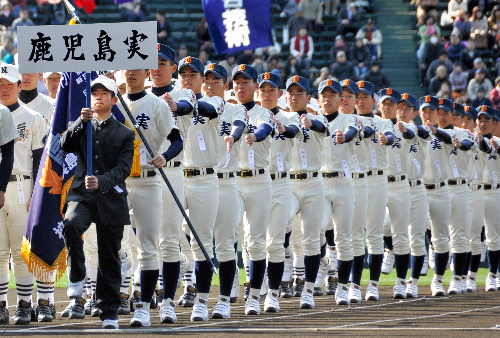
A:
[112, 152]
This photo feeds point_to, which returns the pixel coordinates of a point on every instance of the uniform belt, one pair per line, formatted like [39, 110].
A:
[475, 187]
[13, 178]
[225, 175]
[457, 182]
[358, 175]
[490, 186]
[375, 173]
[145, 173]
[173, 164]
[435, 185]
[414, 183]
[250, 173]
[396, 178]
[283, 174]
[197, 172]
[303, 176]
[333, 174]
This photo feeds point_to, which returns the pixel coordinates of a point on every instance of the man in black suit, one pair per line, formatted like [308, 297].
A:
[101, 198]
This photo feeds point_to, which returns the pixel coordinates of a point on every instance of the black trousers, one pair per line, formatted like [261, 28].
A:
[79, 216]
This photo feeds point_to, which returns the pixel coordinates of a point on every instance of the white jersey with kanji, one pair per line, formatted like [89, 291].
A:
[281, 147]
[417, 153]
[43, 105]
[153, 117]
[202, 138]
[339, 157]
[378, 153]
[228, 162]
[397, 154]
[458, 165]
[437, 158]
[361, 155]
[8, 131]
[32, 129]
[186, 95]
[258, 155]
[491, 160]
[307, 151]
[476, 167]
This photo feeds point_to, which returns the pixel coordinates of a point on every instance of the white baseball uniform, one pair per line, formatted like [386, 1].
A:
[43, 105]
[476, 207]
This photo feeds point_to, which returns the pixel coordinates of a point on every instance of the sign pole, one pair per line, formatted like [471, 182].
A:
[89, 127]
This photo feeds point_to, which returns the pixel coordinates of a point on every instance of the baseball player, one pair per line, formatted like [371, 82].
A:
[488, 144]
[419, 209]
[28, 150]
[476, 208]
[232, 124]
[288, 127]
[377, 185]
[51, 81]
[336, 171]
[8, 136]
[435, 180]
[30, 98]
[398, 189]
[254, 179]
[153, 116]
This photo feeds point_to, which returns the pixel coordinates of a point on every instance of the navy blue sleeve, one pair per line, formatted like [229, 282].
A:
[317, 126]
[175, 147]
[466, 145]
[443, 136]
[367, 132]
[207, 110]
[350, 133]
[237, 130]
[390, 137]
[484, 146]
[409, 134]
[290, 131]
[7, 151]
[263, 131]
[183, 108]
[422, 132]
[36, 157]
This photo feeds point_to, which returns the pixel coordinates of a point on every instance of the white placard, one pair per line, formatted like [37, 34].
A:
[73, 48]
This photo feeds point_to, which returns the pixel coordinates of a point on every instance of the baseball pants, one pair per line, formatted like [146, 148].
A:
[398, 196]
[477, 221]
[377, 203]
[360, 216]
[227, 220]
[492, 218]
[459, 227]
[278, 219]
[440, 213]
[418, 220]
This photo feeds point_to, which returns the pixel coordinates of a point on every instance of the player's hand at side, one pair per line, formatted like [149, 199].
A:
[431, 127]
[402, 128]
[339, 137]
[158, 161]
[170, 101]
[250, 139]
[382, 138]
[91, 183]
[494, 144]
[456, 142]
[87, 114]
[306, 121]
[229, 142]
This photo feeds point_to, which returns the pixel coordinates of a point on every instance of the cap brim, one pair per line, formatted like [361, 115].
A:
[245, 74]
[484, 113]
[9, 78]
[216, 73]
[331, 87]
[409, 102]
[103, 86]
[192, 67]
[430, 105]
[165, 57]
[387, 97]
[444, 108]
[272, 83]
[366, 91]
[296, 84]
[469, 115]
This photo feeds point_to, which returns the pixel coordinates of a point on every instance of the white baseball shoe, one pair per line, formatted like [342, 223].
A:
[388, 262]
[437, 289]
[372, 291]
[471, 284]
[307, 299]
[272, 304]
[399, 290]
[355, 293]
[252, 306]
[167, 312]
[455, 287]
[222, 309]
[200, 310]
[411, 289]
[342, 294]
[141, 315]
[490, 284]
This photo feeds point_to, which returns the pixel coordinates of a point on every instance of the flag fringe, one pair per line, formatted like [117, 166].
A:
[41, 270]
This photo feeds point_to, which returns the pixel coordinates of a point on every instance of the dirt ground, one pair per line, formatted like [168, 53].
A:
[458, 315]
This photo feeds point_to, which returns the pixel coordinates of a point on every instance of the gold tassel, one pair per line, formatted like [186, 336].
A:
[38, 268]
[64, 193]
[136, 164]
[72, 22]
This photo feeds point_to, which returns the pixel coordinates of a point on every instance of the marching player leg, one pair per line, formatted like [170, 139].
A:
[298, 257]
[124, 308]
[475, 235]
[90, 240]
[189, 277]
[388, 260]
[358, 237]
[332, 277]
[4, 266]
[492, 223]
[287, 279]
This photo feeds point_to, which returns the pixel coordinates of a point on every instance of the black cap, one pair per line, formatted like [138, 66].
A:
[333, 85]
[300, 81]
[428, 101]
[193, 62]
[219, 71]
[366, 87]
[485, 110]
[166, 53]
[248, 71]
[271, 78]
[351, 85]
[445, 104]
[389, 93]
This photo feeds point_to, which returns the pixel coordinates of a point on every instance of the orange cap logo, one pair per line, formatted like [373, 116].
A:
[346, 82]
[295, 78]
[388, 91]
[188, 60]
[404, 96]
[158, 47]
[329, 82]
[361, 84]
[441, 101]
[484, 108]
[466, 108]
[241, 68]
[267, 76]
[211, 66]
[427, 99]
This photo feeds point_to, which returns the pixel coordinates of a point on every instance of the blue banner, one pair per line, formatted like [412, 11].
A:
[238, 25]
[43, 245]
